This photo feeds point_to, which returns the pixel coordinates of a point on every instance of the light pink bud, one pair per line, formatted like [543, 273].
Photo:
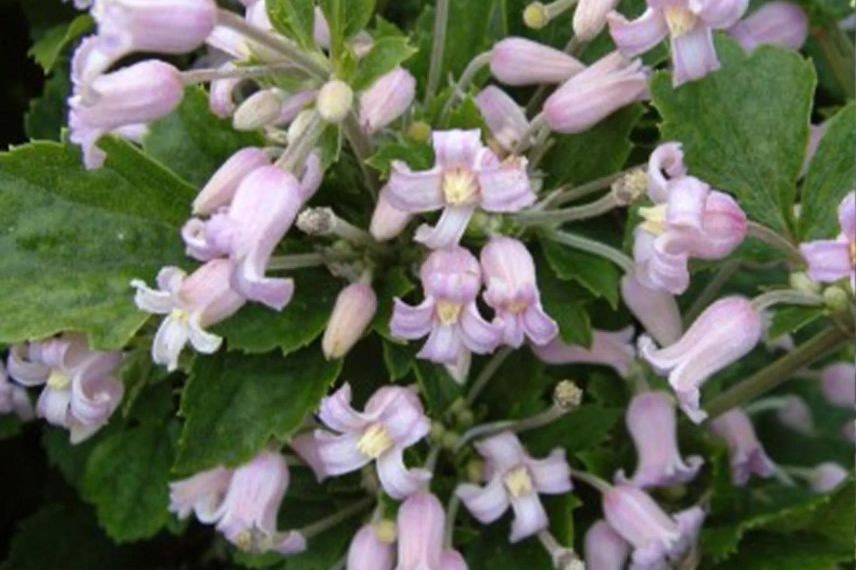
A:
[653, 426]
[635, 516]
[504, 117]
[387, 221]
[160, 26]
[518, 61]
[201, 494]
[657, 310]
[838, 382]
[604, 548]
[354, 310]
[421, 523]
[724, 333]
[260, 109]
[590, 18]
[369, 551]
[221, 92]
[221, 188]
[796, 415]
[778, 23]
[592, 95]
[386, 100]
[826, 477]
[613, 349]
[747, 455]
[321, 30]
[133, 95]
[14, 399]
[294, 105]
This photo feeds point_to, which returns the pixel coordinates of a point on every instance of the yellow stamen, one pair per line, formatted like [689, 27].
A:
[180, 315]
[244, 541]
[460, 187]
[386, 531]
[448, 313]
[655, 219]
[517, 307]
[518, 482]
[853, 253]
[375, 441]
[58, 381]
[680, 20]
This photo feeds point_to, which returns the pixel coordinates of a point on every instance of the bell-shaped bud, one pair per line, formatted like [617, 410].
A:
[221, 187]
[372, 549]
[259, 110]
[386, 100]
[826, 477]
[604, 548]
[335, 100]
[504, 117]
[613, 349]
[795, 414]
[354, 310]
[590, 18]
[838, 383]
[518, 61]
[747, 455]
[387, 221]
[657, 310]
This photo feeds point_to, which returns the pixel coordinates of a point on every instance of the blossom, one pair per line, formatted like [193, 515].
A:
[515, 479]
[653, 427]
[191, 304]
[386, 100]
[590, 96]
[243, 503]
[504, 117]
[262, 211]
[795, 414]
[421, 523]
[688, 220]
[80, 390]
[827, 477]
[387, 221]
[838, 384]
[393, 421]
[590, 18]
[221, 187]
[747, 454]
[725, 332]
[451, 280]
[466, 175]
[688, 23]
[511, 290]
[831, 260]
[13, 398]
[775, 23]
[604, 548]
[354, 310]
[657, 310]
[518, 61]
[613, 349]
[372, 548]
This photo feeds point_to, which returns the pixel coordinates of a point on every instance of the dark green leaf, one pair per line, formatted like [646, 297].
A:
[577, 431]
[47, 115]
[394, 284]
[736, 141]
[419, 156]
[791, 319]
[294, 18]
[767, 551]
[234, 404]
[598, 275]
[386, 54]
[398, 359]
[466, 116]
[48, 49]
[565, 302]
[345, 18]
[438, 388]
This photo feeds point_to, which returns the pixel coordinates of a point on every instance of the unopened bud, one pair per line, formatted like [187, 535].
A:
[299, 125]
[316, 221]
[458, 406]
[419, 131]
[590, 18]
[630, 187]
[334, 101]
[451, 439]
[438, 430]
[259, 110]
[475, 471]
[802, 282]
[465, 418]
[836, 299]
[387, 221]
[535, 16]
[567, 395]
[354, 310]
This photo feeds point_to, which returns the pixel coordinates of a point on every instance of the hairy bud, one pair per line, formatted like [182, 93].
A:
[355, 308]
[334, 101]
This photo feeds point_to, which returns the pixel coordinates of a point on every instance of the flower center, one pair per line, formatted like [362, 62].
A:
[518, 482]
[460, 187]
[58, 381]
[448, 313]
[375, 441]
[853, 253]
[517, 307]
[180, 315]
[680, 20]
[386, 531]
[655, 219]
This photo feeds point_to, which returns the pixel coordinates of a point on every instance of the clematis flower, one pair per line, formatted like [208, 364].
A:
[591, 95]
[775, 23]
[515, 479]
[795, 414]
[504, 117]
[653, 427]
[421, 522]
[509, 274]
[243, 503]
[387, 221]
[466, 175]
[80, 390]
[827, 477]
[688, 23]
[262, 211]
[688, 220]
[386, 99]
[747, 455]
[590, 18]
[393, 421]
[604, 548]
[518, 61]
[831, 260]
[838, 384]
[451, 280]
[657, 310]
[725, 332]
[373, 548]
[613, 349]
[221, 187]
[190, 303]
[654, 535]
[13, 398]
[120, 102]
[353, 312]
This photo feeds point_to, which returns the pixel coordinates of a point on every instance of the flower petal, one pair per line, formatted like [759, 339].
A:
[486, 503]
[828, 260]
[397, 480]
[450, 228]
[415, 192]
[529, 517]
[337, 413]
[551, 475]
[693, 55]
[640, 35]
[477, 334]
[410, 322]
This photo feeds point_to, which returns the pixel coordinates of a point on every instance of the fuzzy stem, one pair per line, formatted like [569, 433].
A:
[773, 239]
[473, 67]
[778, 372]
[295, 155]
[766, 405]
[570, 193]
[451, 514]
[486, 374]
[592, 480]
[602, 205]
[786, 296]
[195, 76]
[535, 126]
[438, 49]
[362, 147]
[592, 246]
[318, 527]
[295, 261]
[539, 420]
[711, 290]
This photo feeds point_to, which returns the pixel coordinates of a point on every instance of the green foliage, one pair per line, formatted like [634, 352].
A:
[294, 19]
[345, 18]
[598, 275]
[47, 114]
[438, 388]
[791, 319]
[386, 54]
[48, 49]
[417, 155]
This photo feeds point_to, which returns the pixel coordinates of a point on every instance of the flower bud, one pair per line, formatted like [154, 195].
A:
[334, 101]
[369, 550]
[419, 131]
[504, 117]
[826, 477]
[535, 16]
[604, 548]
[590, 18]
[386, 100]
[802, 282]
[778, 23]
[796, 415]
[658, 311]
[299, 125]
[567, 395]
[387, 221]
[747, 455]
[221, 187]
[613, 349]
[518, 61]
[354, 310]
[259, 110]
[838, 383]
[836, 299]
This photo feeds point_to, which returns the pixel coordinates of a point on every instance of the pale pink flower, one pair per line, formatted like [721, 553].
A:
[353, 312]
[725, 332]
[827, 477]
[421, 524]
[775, 23]
[202, 494]
[590, 18]
[512, 292]
[81, 390]
[514, 479]
[838, 383]
[14, 398]
[467, 175]
[387, 221]
[369, 550]
[393, 421]
[653, 427]
[832, 260]
[613, 349]
[689, 24]
[747, 455]
[386, 99]
[657, 310]
[604, 548]
[221, 187]
[796, 414]
[504, 117]
[518, 61]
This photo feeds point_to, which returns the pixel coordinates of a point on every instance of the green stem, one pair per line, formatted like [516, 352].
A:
[788, 297]
[773, 239]
[711, 290]
[452, 508]
[592, 246]
[778, 372]
[535, 126]
[473, 67]
[602, 205]
[317, 528]
[839, 53]
[295, 155]
[362, 147]
[295, 261]
[438, 49]
[486, 374]
[592, 480]
[570, 193]
[195, 76]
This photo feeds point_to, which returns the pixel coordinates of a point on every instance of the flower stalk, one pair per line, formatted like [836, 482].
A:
[438, 50]
[592, 246]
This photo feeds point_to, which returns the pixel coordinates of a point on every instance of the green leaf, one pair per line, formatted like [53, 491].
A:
[395, 283]
[72, 240]
[127, 478]
[48, 49]
[598, 275]
[466, 116]
[10, 426]
[345, 18]
[737, 141]
[398, 359]
[566, 304]
[70, 459]
[438, 387]
[295, 19]
[386, 54]
[234, 404]
[792, 319]
[767, 551]
[579, 430]
[598, 152]
[193, 142]
[417, 155]
[257, 329]
[47, 114]
[831, 175]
